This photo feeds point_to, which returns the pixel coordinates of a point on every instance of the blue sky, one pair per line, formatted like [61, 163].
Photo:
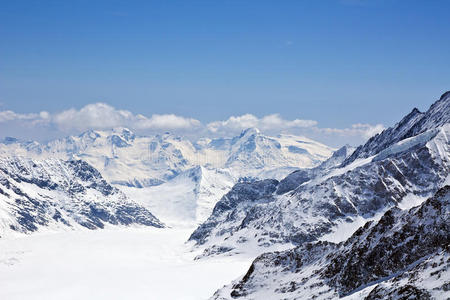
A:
[338, 63]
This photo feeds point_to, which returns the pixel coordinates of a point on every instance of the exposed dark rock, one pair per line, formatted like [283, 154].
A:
[69, 192]
[392, 254]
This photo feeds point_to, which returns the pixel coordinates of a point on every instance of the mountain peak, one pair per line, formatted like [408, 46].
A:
[415, 111]
[250, 131]
[88, 133]
[345, 150]
[445, 95]
[126, 133]
[412, 124]
[121, 130]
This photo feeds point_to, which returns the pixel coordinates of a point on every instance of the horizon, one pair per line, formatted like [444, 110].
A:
[44, 127]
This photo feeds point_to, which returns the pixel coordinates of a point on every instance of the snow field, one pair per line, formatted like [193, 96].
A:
[120, 263]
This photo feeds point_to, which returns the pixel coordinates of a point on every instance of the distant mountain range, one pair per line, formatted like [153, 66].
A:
[178, 179]
[126, 159]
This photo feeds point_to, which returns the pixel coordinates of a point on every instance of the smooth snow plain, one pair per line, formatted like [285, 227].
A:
[113, 263]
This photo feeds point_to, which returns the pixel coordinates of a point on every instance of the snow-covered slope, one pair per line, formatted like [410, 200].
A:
[186, 199]
[254, 151]
[54, 193]
[298, 177]
[405, 255]
[311, 205]
[126, 159]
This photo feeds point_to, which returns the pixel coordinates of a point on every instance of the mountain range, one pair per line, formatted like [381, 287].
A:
[355, 223]
[344, 192]
[373, 226]
[178, 180]
[127, 159]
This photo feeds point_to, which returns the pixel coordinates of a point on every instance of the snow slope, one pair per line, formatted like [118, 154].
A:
[186, 199]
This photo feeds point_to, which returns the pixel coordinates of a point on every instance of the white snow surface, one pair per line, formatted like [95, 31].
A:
[187, 199]
[119, 263]
[345, 229]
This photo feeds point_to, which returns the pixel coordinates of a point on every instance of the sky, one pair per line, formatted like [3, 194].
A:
[337, 71]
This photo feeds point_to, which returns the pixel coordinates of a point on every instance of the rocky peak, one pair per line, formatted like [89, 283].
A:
[249, 131]
[412, 124]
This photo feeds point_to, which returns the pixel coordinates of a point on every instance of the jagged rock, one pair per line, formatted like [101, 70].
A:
[413, 124]
[61, 193]
[395, 256]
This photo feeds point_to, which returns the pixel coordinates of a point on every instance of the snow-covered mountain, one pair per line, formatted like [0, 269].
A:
[339, 196]
[405, 255]
[53, 193]
[126, 159]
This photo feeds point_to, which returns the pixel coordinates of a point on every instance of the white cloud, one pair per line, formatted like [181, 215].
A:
[356, 130]
[103, 116]
[170, 121]
[99, 116]
[45, 125]
[267, 123]
[368, 130]
[9, 115]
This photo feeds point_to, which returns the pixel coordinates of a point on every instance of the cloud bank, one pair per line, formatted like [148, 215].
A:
[270, 122]
[98, 116]
[104, 116]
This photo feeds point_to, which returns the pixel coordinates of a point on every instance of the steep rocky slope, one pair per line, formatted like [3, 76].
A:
[54, 193]
[413, 124]
[405, 255]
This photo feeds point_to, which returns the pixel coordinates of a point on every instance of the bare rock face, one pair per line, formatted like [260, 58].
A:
[58, 193]
[405, 255]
